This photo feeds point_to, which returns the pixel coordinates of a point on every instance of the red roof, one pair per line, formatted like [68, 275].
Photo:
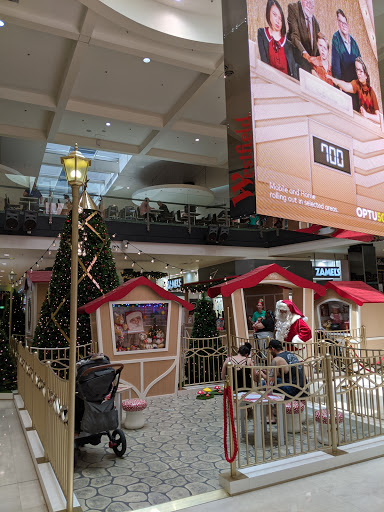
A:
[357, 291]
[122, 290]
[39, 276]
[257, 275]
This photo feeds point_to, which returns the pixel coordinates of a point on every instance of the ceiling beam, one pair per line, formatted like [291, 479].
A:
[44, 101]
[20, 132]
[187, 158]
[177, 110]
[67, 139]
[115, 113]
[69, 76]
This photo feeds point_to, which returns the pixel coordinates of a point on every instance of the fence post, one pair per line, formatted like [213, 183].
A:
[331, 401]
[181, 369]
[229, 379]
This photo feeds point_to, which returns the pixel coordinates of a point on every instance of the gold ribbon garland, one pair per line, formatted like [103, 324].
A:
[86, 272]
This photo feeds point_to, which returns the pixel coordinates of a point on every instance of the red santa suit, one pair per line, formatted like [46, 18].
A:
[297, 330]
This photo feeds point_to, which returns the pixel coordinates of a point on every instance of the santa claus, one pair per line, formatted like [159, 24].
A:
[290, 323]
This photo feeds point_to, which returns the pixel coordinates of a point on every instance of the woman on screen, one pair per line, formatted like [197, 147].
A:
[274, 47]
[369, 107]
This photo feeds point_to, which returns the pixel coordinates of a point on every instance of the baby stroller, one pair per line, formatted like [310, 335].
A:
[95, 414]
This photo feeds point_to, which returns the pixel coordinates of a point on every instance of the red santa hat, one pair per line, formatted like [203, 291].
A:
[291, 306]
[260, 302]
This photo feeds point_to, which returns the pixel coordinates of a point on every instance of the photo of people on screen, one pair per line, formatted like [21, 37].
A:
[321, 66]
[303, 30]
[292, 39]
[368, 105]
[274, 47]
[345, 51]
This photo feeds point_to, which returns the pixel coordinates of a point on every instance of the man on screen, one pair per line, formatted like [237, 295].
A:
[345, 51]
[303, 30]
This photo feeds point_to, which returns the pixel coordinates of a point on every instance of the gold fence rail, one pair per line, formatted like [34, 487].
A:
[46, 397]
[201, 360]
[339, 400]
[59, 357]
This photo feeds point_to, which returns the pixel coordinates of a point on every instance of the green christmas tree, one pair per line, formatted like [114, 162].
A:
[153, 330]
[18, 315]
[96, 276]
[199, 367]
[204, 325]
[8, 373]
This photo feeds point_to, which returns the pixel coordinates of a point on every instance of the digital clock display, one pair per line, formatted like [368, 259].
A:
[330, 155]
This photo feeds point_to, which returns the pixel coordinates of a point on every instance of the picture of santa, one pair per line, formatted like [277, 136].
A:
[290, 323]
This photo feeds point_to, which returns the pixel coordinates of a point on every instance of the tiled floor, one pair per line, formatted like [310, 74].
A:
[178, 454]
[19, 487]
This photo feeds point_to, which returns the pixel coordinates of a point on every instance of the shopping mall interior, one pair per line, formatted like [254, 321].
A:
[140, 88]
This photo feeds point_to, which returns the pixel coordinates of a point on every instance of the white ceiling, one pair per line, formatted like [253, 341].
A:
[69, 67]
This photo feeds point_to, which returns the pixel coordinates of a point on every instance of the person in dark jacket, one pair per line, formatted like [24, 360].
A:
[345, 51]
[274, 47]
[264, 329]
[303, 30]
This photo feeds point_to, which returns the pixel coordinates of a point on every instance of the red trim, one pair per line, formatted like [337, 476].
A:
[121, 291]
[258, 275]
[358, 292]
[352, 235]
[39, 276]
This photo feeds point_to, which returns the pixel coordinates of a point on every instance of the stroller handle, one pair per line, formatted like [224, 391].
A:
[102, 367]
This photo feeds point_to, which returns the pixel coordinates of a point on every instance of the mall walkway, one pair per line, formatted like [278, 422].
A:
[20, 490]
[351, 489]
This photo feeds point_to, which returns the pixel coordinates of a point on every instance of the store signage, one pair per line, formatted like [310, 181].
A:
[330, 155]
[326, 272]
[175, 284]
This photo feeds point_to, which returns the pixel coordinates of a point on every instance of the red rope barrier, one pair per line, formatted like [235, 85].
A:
[228, 397]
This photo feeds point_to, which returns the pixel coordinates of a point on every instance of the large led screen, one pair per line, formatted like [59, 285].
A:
[317, 112]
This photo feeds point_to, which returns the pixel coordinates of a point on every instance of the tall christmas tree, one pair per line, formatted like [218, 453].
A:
[204, 325]
[96, 276]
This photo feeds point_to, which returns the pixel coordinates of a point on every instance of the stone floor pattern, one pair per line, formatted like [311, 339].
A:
[178, 453]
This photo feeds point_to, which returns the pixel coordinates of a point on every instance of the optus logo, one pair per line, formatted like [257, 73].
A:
[364, 213]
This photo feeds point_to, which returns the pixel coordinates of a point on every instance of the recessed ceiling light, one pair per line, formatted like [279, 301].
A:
[197, 140]
[2, 23]
[146, 60]
[6, 254]
[127, 188]
[107, 124]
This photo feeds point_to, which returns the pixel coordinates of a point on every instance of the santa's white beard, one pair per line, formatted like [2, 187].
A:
[282, 326]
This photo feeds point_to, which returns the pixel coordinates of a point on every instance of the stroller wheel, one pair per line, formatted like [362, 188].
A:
[118, 442]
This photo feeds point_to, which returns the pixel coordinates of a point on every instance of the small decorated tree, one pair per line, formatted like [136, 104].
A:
[204, 325]
[205, 357]
[153, 330]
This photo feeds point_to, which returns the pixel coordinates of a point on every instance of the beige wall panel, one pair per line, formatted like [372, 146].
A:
[94, 333]
[227, 304]
[297, 297]
[375, 344]
[239, 314]
[372, 316]
[286, 152]
[152, 370]
[131, 373]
